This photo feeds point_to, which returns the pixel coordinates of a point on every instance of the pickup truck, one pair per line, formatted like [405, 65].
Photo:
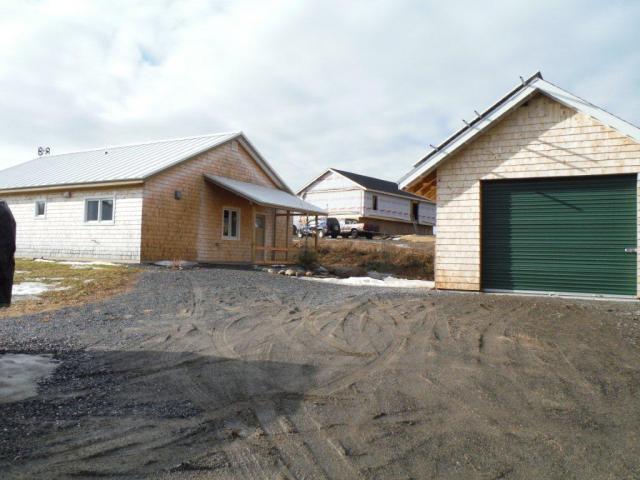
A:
[326, 227]
[352, 228]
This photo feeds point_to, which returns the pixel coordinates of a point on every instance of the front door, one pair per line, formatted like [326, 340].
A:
[260, 227]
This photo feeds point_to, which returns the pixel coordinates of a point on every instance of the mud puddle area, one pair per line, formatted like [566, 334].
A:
[221, 374]
[20, 373]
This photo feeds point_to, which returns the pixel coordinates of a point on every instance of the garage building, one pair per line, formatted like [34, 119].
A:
[538, 194]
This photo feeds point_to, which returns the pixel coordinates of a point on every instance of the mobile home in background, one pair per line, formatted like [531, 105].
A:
[353, 197]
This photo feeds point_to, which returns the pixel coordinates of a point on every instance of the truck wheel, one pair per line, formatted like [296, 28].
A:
[334, 235]
[354, 233]
[369, 236]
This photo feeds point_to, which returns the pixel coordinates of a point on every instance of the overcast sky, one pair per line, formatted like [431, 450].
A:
[363, 86]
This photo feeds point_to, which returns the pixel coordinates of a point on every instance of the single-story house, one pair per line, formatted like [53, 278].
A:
[367, 199]
[211, 198]
[539, 193]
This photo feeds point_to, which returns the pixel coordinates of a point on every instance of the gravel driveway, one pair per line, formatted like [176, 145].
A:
[221, 373]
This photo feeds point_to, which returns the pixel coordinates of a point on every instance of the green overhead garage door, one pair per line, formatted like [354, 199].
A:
[560, 235]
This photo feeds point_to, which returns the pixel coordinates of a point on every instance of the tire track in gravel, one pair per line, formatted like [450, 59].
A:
[388, 354]
[294, 380]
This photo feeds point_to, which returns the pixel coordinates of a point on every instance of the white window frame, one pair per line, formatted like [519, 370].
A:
[35, 209]
[99, 200]
[229, 237]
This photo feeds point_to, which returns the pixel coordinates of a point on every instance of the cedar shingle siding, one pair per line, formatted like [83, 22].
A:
[191, 228]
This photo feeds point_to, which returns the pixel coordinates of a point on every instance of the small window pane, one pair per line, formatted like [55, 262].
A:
[107, 211]
[225, 224]
[234, 224]
[40, 207]
[92, 210]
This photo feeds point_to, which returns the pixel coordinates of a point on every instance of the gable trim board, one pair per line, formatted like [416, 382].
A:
[537, 133]
[497, 111]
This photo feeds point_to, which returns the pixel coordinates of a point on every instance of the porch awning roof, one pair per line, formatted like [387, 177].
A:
[265, 196]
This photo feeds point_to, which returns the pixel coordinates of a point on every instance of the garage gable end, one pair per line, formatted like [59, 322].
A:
[522, 94]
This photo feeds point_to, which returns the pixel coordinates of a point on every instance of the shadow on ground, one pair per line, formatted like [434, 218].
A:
[152, 410]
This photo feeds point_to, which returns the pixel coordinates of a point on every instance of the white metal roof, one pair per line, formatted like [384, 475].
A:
[269, 197]
[119, 163]
[513, 99]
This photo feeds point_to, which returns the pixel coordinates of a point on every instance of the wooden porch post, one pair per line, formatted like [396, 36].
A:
[286, 239]
[275, 224]
[253, 233]
[315, 240]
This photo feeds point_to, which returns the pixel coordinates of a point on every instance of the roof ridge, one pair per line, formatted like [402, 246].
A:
[139, 144]
[361, 175]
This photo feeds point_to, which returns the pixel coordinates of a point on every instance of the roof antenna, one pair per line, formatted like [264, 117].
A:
[466, 123]
[522, 80]
[477, 113]
[434, 147]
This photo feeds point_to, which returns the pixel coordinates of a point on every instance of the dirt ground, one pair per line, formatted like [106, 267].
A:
[220, 374]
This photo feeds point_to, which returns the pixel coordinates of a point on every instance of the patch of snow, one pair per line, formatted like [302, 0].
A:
[20, 373]
[175, 264]
[34, 288]
[92, 265]
[388, 281]
[30, 288]
[95, 264]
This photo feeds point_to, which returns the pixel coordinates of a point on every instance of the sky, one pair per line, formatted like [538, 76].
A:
[363, 86]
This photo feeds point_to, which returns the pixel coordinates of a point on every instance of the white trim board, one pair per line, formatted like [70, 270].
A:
[514, 99]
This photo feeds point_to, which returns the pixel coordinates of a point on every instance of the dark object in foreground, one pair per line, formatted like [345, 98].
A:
[7, 252]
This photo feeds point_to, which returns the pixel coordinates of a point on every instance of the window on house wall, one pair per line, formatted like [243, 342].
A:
[41, 208]
[99, 210]
[230, 223]
[374, 202]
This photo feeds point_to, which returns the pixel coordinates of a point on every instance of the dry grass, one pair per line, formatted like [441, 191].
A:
[397, 258]
[80, 285]
[423, 239]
